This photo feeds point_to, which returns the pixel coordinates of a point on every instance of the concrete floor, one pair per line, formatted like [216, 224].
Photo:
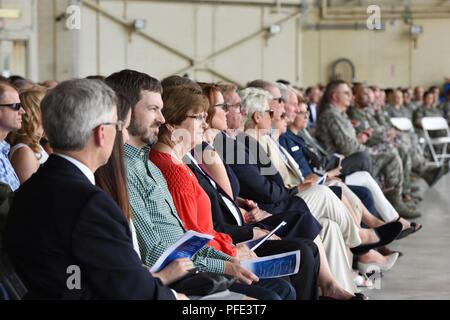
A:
[423, 272]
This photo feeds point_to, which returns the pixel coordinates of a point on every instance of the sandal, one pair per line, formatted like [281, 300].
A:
[386, 233]
[414, 227]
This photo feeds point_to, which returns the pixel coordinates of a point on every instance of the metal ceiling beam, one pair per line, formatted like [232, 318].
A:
[193, 64]
[231, 3]
[127, 25]
[258, 33]
[359, 13]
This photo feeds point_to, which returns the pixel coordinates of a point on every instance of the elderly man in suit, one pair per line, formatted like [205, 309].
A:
[66, 238]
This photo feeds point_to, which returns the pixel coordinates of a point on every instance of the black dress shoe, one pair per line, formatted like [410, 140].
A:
[387, 233]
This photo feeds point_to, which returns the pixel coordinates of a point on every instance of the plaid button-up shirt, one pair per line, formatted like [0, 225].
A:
[155, 217]
[7, 173]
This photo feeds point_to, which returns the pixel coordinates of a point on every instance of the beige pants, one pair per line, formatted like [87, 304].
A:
[339, 231]
[353, 199]
[337, 254]
[324, 204]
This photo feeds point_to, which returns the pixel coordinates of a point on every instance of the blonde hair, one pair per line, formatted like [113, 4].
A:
[32, 120]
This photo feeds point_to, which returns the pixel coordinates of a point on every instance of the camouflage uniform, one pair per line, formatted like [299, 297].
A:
[445, 110]
[402, 112]
[336, 133]
[411, 107]
[423, 111]
[409, 139]
[378, 140]
[382, 117]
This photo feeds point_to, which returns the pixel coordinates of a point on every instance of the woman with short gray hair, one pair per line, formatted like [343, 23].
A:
[255, 101]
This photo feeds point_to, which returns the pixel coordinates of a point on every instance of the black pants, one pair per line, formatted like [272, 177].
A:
[358, 161]
[305, 281]
[267, 289]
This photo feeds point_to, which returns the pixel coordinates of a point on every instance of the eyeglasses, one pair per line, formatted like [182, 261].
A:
[303, 113]
[271, 112]
[222, 106]
[227, 106]
[280, 99]
[15, 106]
[199, 117]
[119, 124]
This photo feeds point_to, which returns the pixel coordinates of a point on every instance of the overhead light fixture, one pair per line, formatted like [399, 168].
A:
[274, 28]
[416, 30]
[139, 24]
[10, 13]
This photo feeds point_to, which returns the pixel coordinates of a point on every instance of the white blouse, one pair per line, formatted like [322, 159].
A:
[42, 155]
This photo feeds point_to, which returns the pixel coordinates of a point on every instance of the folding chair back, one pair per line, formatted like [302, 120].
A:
[402, 123]
[435, 124]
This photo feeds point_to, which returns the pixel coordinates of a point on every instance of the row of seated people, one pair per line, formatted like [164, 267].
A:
[160, 153]
[398, 102]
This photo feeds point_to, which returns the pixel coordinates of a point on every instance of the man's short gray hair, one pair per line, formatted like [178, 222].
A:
[284, 90]
[73, 109]
[254, 100]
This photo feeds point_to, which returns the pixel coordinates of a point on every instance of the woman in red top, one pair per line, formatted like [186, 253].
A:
[185, 114]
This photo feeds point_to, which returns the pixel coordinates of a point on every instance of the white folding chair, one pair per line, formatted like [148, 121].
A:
[434, 124]
[405, 124]
[402, 124]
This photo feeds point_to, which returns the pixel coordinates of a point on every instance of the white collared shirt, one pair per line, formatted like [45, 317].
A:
[83, 168]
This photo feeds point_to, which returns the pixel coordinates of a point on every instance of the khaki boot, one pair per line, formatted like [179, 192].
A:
[403, 210]
[433, 174]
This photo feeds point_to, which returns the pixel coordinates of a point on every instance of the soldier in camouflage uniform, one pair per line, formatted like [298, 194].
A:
[397, 109]
[428, 109]
[406, 143]
[409, 139]
[382, 137]
[407, 100]
[445, 108]
[336, 133]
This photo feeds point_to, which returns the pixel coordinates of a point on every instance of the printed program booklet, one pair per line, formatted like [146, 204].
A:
[186, 247]
[279, 265]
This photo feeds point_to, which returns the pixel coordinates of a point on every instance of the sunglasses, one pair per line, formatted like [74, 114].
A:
[15, 106]
[271, 112]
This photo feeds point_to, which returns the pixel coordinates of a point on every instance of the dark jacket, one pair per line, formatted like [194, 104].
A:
[223, 219]
[58, 219]
[296, 146]
[260, 182]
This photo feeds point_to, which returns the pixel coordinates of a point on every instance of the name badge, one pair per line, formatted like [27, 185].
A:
[296, 148]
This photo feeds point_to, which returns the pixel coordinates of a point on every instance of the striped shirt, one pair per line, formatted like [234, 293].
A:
[155, 217]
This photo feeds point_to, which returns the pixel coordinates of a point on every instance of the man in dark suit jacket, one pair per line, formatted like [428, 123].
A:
[66, 238]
